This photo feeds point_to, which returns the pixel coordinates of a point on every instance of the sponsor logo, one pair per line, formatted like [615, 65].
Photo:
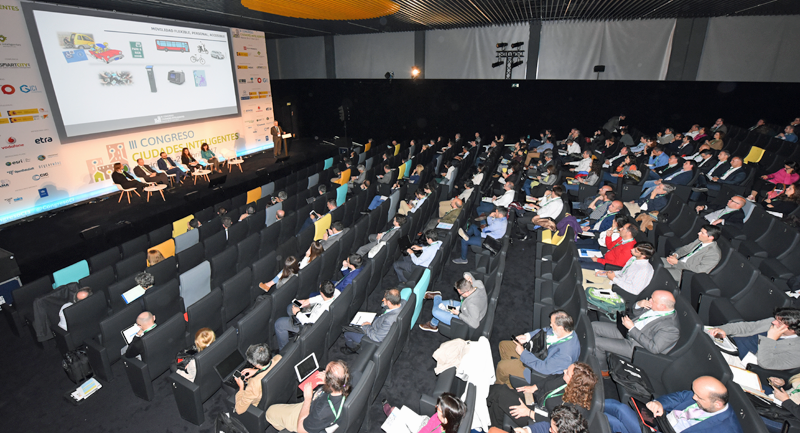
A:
[41, 157]
[4, 183]
[41, 140]
[74, 56]
[13, 172]
[260, 124]
[13, 199]
[28, 89]
[261, 67]
[12, 146]
[10, 163]
[241, 54]
[15, 65]
[40, 176]
[11, 140]
[49, 164]
[249, 110]
[237, 67]
[8, 89]
[43, 192]
[243, 80]
[9, 8]
[259, 80]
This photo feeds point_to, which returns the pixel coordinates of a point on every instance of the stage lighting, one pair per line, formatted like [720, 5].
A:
[517, 63]
[517, 44]
[502, 45]
[414, 72]
[389, 76]
[496, 64]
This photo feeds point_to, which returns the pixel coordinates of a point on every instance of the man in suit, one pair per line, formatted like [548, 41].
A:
[682, 177]
[654, 327]
[145, 172]
[125, 180]
[386, 236]
[351, 267]
[684, 147]
[711, 184]
[333, 234]
[614, 123]
[707, 161]
[704, 409]
[719, 126]
[730, 215]
[773, 340]
[563, 349]
[146, 323]
[376, 330]
[276, 131]
[700, 256]
[166, 164]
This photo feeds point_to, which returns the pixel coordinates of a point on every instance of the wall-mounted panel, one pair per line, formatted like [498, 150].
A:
[298, 58]
[372, 56]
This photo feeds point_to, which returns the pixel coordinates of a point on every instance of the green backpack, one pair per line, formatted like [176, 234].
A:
[608, 305]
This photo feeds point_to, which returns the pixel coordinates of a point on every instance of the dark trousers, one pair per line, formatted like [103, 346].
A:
[500, 398]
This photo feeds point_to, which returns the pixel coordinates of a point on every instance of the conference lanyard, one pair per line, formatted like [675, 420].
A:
[696, 249]
[700, 418]
[631, 261]
[554, 393]
[725, 176]
[625, 241]
[341, 404]
[654, 316]
[561, 340]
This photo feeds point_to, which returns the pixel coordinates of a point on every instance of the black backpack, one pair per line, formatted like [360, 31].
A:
[225, 424]
[76, 365]
[630, 377]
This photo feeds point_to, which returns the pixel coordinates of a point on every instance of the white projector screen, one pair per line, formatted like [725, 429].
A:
[111, 74]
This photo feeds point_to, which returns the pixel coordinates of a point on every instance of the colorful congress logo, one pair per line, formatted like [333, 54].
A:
[100, 172]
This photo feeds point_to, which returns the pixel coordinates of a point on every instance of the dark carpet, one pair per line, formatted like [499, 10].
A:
[34, 382]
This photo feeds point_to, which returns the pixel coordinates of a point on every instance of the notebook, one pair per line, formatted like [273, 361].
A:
[133, 294]
[129, 333]
[362, 317]
[227, 366]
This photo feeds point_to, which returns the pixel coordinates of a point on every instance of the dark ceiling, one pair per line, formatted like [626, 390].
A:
[439, 14]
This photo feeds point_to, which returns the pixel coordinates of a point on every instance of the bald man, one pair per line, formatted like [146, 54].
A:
[703, 409]
[146, 323]
[654, 327]
[80, 295]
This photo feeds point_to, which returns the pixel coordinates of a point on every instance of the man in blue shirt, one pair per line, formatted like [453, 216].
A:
[682, 177]
[657, 159]
[411, 261]
[351, 267]
[496, 224]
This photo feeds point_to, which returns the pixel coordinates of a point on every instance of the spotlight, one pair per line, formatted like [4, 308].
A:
[414, 72]
[517, 44]
[502, 45]
[496, 64]
[517, 63]
[389, 76]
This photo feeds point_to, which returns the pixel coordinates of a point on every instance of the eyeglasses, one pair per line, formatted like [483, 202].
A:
[736, 202]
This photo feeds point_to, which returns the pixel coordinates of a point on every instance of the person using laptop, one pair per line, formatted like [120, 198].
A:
[307, 312]
[186, 366]
[411, 261]
[704, 409]
[146, 323]
[259, 356]
[654, 326]
[320, 409]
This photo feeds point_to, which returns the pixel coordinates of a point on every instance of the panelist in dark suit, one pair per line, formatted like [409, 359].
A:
[148, 174]
[165, 163]
[276, 132]
[125, 180]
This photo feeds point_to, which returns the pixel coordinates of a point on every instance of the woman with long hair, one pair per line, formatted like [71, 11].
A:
[450, 410]
[717, 142]
[291, 267]
[787, 175]
[188, 160]
[202, 339]
[574, 388]
[416, 174]
[783, 203]
[314, 251]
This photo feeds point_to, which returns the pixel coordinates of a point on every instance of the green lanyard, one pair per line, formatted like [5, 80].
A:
[655, 316]
[702, 418]
[567, 338]
[554, 393]
[341, 404]
[794, 391]
[631, 261]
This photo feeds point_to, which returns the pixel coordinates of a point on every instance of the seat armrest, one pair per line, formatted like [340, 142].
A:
[715, 311]
[364, 355]
[139, 378]
[14, 318]
[771, 268]
[543, 291]
[733, 233]
[63, 339]
[254, 419]
[99, 360]
[188, 398]
[701, 285]
[517, 381]
[456, 329]
[444, 383]
[791, 425]
[751, 249]
[653, 364]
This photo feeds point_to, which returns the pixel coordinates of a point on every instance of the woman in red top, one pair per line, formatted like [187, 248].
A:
[786, 176]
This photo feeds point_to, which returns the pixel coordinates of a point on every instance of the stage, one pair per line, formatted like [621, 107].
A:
[51, 241]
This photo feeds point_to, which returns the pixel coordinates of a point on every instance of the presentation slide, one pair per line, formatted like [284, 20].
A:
[116, 74]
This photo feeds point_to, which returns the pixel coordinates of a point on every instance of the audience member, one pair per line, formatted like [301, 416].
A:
[144, 279]
[470, 308]
[308, 312]
[447, 419]
[291, 267]
[146, 322]
[397, 222]
[700, 256]
[730, 215]
[376, 330]
[489, 205]
[411, 261]
[259, 356]
[333, 234]
[154, 257]
[495, 227]
[186, 366]
[785, 176]
[80, 295]
[773, 340]
[619, 250]
[351, 267]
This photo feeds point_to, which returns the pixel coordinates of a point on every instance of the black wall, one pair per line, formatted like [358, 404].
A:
[405, 109]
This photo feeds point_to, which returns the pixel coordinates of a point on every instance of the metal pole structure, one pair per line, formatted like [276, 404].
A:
[510, 57]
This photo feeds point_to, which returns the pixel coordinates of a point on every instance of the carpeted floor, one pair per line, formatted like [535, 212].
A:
[34, 382]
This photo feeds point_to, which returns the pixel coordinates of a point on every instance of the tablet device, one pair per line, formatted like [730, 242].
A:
[129, 333]
[306, 367]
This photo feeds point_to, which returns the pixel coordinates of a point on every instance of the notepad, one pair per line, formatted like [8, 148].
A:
[133, 294]
[361, 317]
[444, 226]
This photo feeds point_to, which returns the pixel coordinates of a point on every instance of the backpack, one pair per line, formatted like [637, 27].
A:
[225, 424]
[609, 306]
[630, 377]
[76, 365]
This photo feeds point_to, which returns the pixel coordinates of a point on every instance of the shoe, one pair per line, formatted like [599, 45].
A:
[428, 327]
[463, 235]
[700, 189]
[604, 373]
[349, 350]
[430, 295]
[480, 218]
[460, 261]
[387, 408]
[264, 287]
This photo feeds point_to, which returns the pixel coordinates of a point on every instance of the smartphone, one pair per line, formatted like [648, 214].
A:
[237, 374]
[297, 303]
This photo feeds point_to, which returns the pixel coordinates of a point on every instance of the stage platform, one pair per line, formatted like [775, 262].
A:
[48, 242]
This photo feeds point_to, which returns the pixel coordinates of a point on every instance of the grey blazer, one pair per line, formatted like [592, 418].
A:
[701, 262]
[373, 240]
[658, 336]
[332, 240]
[783, 354]
[474, 306]
[380, 327]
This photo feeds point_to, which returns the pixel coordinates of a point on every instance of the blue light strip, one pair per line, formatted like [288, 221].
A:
[56, 204]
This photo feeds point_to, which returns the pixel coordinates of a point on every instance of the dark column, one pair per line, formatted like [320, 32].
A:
[419, 52]
[687, 47]
[533, 49]
[330, 58]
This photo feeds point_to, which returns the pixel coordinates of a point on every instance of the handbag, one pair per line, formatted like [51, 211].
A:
[492, 245]
[537, 345]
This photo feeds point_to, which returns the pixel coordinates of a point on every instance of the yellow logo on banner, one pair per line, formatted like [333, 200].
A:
[263, 93]
[23, 112]
[241, 54]
[4, 121]
[253, 93]
[21, 119]
[241, 67]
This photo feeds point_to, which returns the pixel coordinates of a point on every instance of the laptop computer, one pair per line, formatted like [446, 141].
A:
[227, 366]
[308, 370]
